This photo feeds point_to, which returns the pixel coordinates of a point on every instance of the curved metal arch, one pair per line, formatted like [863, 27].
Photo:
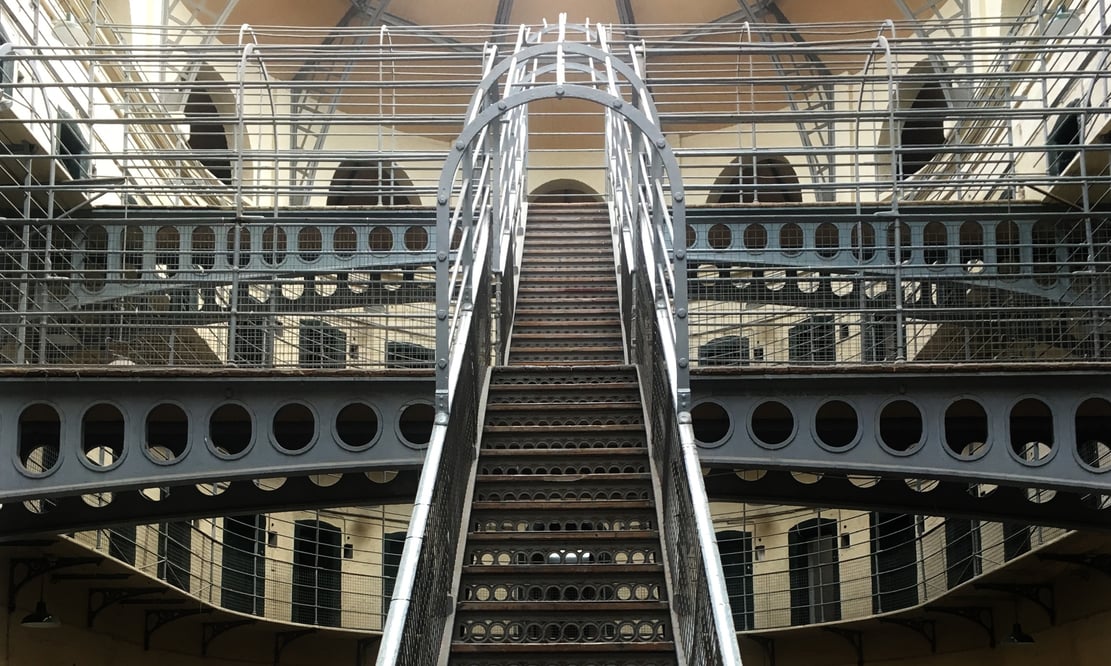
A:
[634, 115]
[489, 82]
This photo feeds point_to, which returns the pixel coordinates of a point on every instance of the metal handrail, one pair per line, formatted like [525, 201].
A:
[486, 217]
[653, 292]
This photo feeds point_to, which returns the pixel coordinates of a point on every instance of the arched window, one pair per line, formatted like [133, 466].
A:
[370, 183]
[317, 581]
[770, 180]
[208, 135]
[1063, 139]
[923, 133]
[565, 191]
[7, 70]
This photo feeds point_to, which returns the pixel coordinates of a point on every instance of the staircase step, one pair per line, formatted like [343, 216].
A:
[562, 562]
[566, 505]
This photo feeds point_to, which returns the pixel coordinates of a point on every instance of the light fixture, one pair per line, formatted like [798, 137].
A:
[40, 618]
[1018, 636]
[1063, 22]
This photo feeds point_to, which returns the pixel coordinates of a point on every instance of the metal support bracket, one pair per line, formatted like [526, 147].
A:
[210, 630]
[767, 644]
[103, 597]
[925, 628]
[980, 615]
[156, 619]
[855, 638]
[1041, 595]
[32, 568]
[282, 639]
[1101, 562]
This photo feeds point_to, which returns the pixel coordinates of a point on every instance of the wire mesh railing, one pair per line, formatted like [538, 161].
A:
[647, 208]
[113, 130]
[783, 566]
[786, 566]
[329, 568]
[485, 212]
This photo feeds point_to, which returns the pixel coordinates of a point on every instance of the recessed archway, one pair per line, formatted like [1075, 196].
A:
[363, 182]
[925, 99]
[565, 191]
[771, 179]
[210, 110]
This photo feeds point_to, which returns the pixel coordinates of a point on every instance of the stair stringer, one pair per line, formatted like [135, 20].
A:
[672, 593]
[461, 545]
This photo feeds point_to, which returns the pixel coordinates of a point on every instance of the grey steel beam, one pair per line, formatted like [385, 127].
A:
[950, 499]
[130, 507]
[973, 426]
[203, 430]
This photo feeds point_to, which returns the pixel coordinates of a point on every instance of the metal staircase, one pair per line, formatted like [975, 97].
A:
[562, 562]
[570, 539]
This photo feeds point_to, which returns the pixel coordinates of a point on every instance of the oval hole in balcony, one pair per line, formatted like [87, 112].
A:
[309, 243]
[203, 248]
[415, 423]
[230, 430]
[273, 245]
[357, 425]
[1031, 426]
[711, 422]
[790, 239]
[901, 426]
[1093, 434]
[836, 425]
[294, 427]
[102, 435]
[966, 429]
[827, 240]
[773, 424]
[756, 237]
[720, 237]
[381, 239]
[344, 242]
[416, 239]
[167, 433]
[863, 238]
[40, 439]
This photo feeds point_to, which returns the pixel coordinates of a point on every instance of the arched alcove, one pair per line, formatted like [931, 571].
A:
[362, 182]
[210, 110]
[565, 191]
[7, 67]
[923, 106]
[771, 179]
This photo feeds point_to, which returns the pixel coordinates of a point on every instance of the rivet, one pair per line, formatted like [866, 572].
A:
[661, 144]
[560, 92]
[441, 200]
[459, 145]
[683, 362]
[680, 254]
[502, 106]
[441, 314]
[678, 196]
[442, 363]
[441, 256]
[681, 313]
